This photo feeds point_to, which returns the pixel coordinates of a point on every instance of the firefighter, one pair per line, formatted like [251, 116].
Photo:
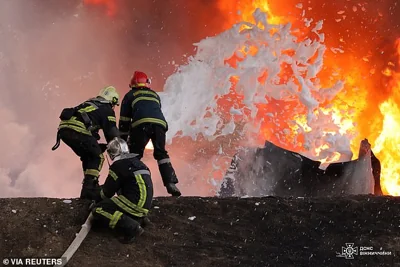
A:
[79, 129]
[130, 178]
[141, 119]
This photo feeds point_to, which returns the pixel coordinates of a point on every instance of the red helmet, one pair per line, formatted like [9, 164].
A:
[139, 79]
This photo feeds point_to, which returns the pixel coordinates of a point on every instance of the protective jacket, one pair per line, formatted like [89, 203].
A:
[140, 105]
[131, 180]
[89, 117]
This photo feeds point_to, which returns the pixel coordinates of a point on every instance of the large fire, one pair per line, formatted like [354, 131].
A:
[387, 143]
[353, 110]
[365, 108]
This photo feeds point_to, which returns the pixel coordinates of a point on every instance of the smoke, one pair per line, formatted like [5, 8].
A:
[56, 54]
[41, 68]
[209, 69]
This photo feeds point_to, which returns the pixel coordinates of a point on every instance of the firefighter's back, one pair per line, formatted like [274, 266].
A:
[146, 105]
[136, 182]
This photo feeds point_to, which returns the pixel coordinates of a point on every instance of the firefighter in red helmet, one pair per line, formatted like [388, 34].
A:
[142, 119]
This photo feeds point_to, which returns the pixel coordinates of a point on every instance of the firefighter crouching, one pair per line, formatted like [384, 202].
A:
[130, 178]
[141, 119]
[79, 129]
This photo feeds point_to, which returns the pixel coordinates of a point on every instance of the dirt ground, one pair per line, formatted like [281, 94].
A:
[266, 231]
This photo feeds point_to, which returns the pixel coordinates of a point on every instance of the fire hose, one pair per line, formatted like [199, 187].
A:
[78, 240]
[73, 247]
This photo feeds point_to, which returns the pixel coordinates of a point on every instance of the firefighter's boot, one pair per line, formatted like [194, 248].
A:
[90, 188]
[129, 228]
[169, 177]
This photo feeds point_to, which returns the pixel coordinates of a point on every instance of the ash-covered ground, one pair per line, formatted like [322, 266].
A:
[193, 231]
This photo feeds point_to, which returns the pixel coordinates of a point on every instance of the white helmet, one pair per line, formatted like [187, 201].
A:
[117, 147]
[110, 94]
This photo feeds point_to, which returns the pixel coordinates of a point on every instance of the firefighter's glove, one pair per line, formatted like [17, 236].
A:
[103, 147]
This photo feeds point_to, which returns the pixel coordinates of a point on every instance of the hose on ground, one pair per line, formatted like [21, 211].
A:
[78, 240]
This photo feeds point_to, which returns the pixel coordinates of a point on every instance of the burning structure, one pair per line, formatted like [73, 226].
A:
[271, 170]
[299, 83]
[312, 78]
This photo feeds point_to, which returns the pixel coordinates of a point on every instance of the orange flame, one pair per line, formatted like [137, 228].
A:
[244, 10]
[110, 5]
[360, 109]
[387, 145]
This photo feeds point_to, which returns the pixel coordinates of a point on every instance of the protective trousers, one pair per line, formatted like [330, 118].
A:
[90, 153]
[140, 136]
[109, 214]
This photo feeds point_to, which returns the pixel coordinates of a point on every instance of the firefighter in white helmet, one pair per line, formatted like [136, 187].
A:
[130, 178]
[79, 129]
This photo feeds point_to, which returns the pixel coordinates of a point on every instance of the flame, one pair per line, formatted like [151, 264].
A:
[387, 145]
[359, 111]
[110, 5]
[149, 146]
[244, 10]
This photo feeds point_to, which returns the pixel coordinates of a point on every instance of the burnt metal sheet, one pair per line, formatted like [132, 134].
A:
[272, 170]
